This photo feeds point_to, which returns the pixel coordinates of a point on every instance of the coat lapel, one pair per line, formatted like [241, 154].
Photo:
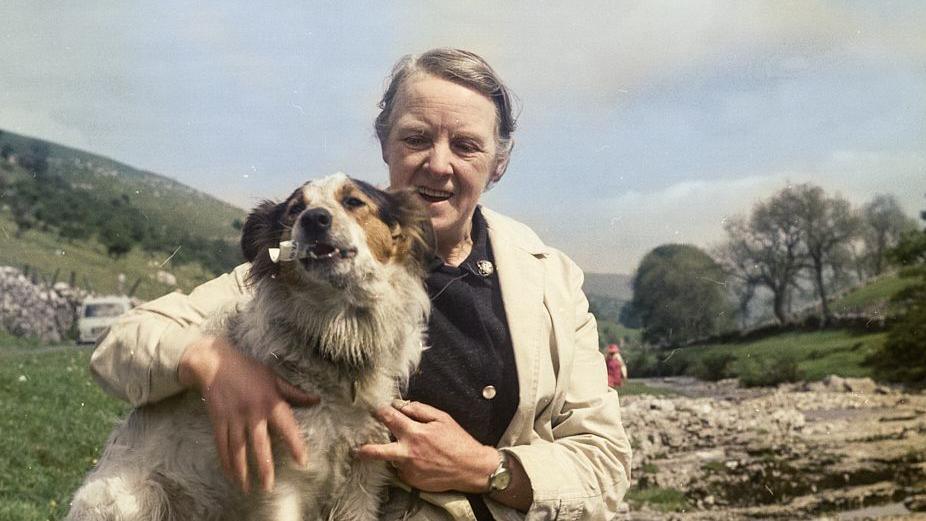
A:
[518, 253]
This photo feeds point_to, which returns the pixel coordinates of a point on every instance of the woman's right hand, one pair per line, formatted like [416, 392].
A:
[246, 400]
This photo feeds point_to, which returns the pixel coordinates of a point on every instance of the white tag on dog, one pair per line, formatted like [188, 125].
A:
[287, 251]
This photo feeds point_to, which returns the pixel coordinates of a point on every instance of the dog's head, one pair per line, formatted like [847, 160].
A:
[349, 229]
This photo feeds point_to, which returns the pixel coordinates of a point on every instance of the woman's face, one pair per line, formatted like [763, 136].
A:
[442, 144]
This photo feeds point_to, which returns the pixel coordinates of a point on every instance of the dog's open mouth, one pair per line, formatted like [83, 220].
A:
[322, 251]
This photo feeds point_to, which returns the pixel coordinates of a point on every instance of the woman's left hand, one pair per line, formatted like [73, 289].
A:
[432, 452]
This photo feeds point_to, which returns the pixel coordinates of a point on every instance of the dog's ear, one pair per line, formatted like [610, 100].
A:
[412, 229]
[262, 230]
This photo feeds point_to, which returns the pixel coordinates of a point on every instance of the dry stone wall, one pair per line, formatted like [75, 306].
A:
[36, 310]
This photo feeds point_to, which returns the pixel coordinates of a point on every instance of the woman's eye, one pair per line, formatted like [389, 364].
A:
[415, 141]
[353, 202]
[466, 147]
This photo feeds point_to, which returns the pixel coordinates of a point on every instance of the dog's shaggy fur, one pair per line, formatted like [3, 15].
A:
[346, 323]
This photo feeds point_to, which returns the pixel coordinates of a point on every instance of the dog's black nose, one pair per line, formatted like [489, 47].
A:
[316, 220]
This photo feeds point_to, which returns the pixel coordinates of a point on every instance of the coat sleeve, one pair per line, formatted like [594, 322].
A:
[584, 472]
[137, 359]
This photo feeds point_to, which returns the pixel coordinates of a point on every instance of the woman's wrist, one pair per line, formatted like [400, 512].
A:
[484, 463]
[197, 362]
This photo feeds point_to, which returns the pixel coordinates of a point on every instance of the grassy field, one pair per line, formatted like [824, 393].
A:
[817, 354]
[632, 388]
[54, 419]
[53, 422]
[45, 252]
[872, 296]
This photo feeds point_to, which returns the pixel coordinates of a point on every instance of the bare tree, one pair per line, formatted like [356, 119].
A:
[766, 250]
[884, 224]
[741, 278]
[827, 227]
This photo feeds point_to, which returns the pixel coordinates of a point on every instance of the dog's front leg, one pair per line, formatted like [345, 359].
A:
[285, 503]
[121, 495]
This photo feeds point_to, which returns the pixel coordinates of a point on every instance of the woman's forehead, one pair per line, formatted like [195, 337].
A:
[425, 100]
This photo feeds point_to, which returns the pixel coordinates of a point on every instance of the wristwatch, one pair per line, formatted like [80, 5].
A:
[501, 478]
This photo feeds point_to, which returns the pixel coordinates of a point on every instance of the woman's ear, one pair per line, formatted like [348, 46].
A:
[501, 166]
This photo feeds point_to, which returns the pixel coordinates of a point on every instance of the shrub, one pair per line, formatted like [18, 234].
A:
[714, 366]
[661, 499]
[767, 371]
[903, 356]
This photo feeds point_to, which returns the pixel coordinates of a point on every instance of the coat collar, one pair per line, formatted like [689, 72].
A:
[515, 233]
[518, 258]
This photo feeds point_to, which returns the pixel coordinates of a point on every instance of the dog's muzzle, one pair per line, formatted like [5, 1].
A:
[293, 250]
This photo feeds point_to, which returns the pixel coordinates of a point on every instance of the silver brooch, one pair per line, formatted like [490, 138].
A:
[485, 268]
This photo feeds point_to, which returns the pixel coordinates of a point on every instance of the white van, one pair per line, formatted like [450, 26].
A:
[97, 314]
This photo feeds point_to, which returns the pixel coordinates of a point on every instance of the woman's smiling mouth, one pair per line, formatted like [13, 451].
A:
[433, 196]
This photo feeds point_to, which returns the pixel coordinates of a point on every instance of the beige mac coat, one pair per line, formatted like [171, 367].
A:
[566, 433]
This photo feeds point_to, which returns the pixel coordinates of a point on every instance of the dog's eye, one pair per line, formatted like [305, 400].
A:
[296, 208]
[353, 202]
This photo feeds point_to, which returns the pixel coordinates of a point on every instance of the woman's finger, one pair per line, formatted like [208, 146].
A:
[398, 423]
[260, 445]
[283, 422]
[295, 395]
[237, 445]
[419, 412]
[220, 430]
[385, 452]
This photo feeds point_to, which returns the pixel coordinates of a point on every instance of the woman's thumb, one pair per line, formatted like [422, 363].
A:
[295, 395]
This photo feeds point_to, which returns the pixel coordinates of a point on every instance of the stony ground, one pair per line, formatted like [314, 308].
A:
[838, 449]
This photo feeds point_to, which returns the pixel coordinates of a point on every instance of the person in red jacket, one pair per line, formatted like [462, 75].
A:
[617, 369]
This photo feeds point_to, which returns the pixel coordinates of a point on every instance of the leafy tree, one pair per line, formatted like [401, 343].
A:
[827, 226]
[679, 295]
[884, 223]
[115, 236]
[903, 356]
[6, 151]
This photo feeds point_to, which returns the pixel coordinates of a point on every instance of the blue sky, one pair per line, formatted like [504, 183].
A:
[642, 122]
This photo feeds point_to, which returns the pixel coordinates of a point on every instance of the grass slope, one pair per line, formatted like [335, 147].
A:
[47, 253]
[817, 354]
[872, 297]
[53, 422]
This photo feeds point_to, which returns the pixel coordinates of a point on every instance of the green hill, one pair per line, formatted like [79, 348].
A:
[63, 210]
[873, 297]
[160, 199]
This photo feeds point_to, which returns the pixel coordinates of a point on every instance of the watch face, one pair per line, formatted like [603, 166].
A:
[502, 480]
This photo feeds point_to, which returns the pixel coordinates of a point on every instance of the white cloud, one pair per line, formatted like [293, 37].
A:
[610, 49]
[612, 235]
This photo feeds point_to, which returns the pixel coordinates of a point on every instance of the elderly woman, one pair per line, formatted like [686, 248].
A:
[510, 410]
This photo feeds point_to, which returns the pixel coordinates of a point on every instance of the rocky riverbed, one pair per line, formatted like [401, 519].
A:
[836, 449]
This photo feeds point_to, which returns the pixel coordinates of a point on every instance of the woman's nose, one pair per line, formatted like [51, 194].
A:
[439, 160]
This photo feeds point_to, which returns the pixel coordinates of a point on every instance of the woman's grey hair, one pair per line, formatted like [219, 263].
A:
[462, 67]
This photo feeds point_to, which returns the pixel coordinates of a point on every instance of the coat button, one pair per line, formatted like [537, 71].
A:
[488, 392]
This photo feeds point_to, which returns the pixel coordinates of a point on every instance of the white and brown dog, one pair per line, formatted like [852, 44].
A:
[339, 309]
